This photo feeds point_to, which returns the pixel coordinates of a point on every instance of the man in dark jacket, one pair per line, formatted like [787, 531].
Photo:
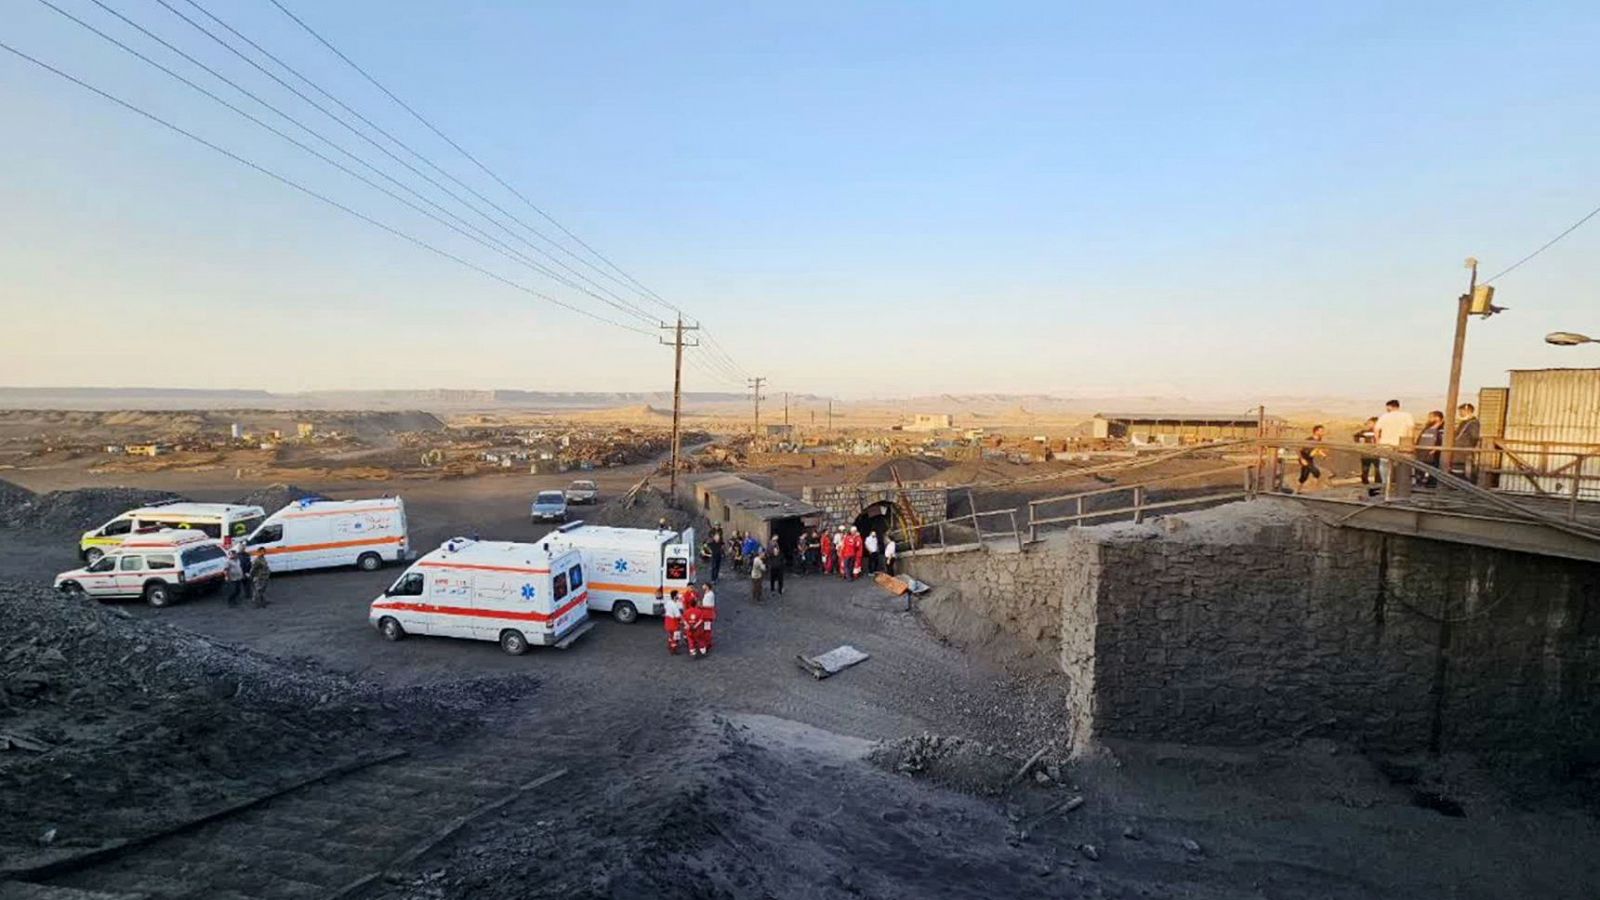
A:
[1469, 433]
[1369, 464]
[717, 548]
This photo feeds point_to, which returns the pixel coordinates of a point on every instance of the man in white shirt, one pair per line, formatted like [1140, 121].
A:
[672, 618]
[1393, 430]
[872, 552]
[889, 550]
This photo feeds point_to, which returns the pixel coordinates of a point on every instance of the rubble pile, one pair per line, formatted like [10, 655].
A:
[276, 496]
[954, 762]
[78, 509]
[12, 496]
[111, 726]
[645, 509]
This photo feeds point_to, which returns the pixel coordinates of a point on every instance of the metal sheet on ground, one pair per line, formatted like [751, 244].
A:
[833, 662]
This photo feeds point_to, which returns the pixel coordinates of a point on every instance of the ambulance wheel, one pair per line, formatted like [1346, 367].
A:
[92, 555]
[157, 595]
[389, 627]
[512, 642]
[625, 612]
[73, 590]
[369, 562]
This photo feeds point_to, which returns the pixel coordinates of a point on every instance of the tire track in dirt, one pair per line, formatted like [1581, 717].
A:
[315, 841]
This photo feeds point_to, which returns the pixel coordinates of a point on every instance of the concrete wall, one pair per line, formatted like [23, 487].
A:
[1003, 601]
[1256, 621]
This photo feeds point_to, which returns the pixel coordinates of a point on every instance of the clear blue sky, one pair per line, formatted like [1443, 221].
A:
[1196, 199]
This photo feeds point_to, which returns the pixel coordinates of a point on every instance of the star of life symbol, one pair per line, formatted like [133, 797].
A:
[620, 566]
[527, 592]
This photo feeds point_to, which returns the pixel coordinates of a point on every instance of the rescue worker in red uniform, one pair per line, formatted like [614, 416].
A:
[694, 619]
[673, 622]
[827, 552]
[854, 550]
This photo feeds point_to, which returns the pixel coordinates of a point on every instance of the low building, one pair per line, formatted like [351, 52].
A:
[782, 430]
[1551, 433]
[1181, 428]
[930, 422]
[738, 504]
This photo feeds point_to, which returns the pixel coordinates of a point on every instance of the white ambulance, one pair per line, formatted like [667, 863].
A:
[516, 594]
[318, 534]
[225, 522]
[631, 570]
[158, 567]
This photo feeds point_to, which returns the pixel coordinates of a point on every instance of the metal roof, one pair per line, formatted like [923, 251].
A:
[764, 502]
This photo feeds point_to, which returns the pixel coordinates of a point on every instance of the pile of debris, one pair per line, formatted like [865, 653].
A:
[12, 496]
[644, 508]
[76, 510]
[954, 762]
[113, 726]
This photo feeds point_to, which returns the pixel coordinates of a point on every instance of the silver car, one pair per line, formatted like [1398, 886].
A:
[550, 506]
[582, 492]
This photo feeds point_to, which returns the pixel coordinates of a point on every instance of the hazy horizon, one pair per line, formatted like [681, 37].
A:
[856, 199]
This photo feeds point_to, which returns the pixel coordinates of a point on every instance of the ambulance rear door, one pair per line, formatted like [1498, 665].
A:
[677, 563]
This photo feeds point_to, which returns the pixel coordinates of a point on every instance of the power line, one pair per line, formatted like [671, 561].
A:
[473, 159]
[1547, 245]
[617, 303]
[479, 236]
[283, 179]
[409, 149]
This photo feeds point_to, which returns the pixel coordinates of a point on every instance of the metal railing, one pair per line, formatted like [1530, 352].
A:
[1140, 499]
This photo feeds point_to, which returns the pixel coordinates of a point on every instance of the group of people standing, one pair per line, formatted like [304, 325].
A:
[688, 619]
[247, 575]
[1396, 429]
[844, 553]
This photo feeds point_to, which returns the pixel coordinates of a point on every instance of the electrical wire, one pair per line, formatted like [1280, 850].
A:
[614, 301]
[1547, 245]
[479, 236]
[471, 158]
[289, 182]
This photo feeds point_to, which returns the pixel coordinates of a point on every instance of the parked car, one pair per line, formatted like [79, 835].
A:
[582, 492]
[550, 506]
[158, 567]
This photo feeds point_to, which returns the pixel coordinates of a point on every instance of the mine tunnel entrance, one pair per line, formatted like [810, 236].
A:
[881, 517]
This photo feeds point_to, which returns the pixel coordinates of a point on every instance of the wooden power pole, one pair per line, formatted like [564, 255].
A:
[677, 346]
[755, 392]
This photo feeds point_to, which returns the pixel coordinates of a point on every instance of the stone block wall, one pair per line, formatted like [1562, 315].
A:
[1241, 625]
[844, 502]
[1257, 621]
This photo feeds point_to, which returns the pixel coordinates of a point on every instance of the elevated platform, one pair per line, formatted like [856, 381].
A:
[1524, 524]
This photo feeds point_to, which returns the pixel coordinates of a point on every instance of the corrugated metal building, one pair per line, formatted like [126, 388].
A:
[1553, 419]
[1181, 427]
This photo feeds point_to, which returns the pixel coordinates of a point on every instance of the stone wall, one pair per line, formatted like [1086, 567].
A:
[1257, 621]
[845, 502]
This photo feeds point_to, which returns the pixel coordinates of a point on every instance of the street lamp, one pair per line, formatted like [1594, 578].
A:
[1569, 339]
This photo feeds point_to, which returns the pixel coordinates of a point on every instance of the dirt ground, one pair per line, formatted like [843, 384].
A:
[733, 776]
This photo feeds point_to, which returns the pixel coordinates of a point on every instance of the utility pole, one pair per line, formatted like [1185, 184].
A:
[830, 415]
[785, 408]
[677, 346]
[1453, 393]
[755, 392]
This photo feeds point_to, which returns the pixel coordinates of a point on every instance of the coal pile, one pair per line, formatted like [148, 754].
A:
[645, 509]
[111, 726]
[11, 497]
[276, 496]
[79, 510]
[910, 468]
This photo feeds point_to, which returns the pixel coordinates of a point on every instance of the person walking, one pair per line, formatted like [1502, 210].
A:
[708, 606]
[758, 575]
[871, 544]
[672, 620]
[1392, 431]
[1469, 433]
[259, 573]
[235, 576]
[775, 567]
[1308, 460]
[1369, 464]
[716, 554]
[889, 551]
